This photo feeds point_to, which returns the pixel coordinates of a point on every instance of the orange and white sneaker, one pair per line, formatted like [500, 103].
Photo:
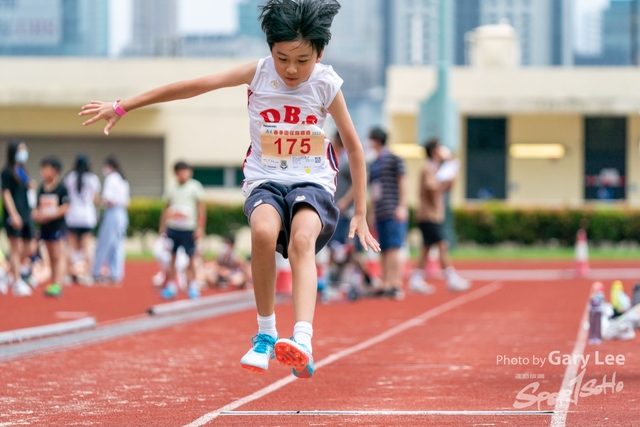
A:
[291, 353]
[257, 359]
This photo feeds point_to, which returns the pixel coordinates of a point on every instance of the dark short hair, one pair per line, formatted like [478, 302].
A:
[180, 166]
[430, 146]
[306, 20]
[52, 161]
[379, 135]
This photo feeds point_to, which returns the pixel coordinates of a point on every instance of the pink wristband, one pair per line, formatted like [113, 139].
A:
[119, 111]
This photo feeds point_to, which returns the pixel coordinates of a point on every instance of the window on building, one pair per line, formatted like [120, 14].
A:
[605, 158]
[220, 177]
[486, 158]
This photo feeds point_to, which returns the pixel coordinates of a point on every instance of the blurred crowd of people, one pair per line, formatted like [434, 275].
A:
[50, 226]
[389, 217]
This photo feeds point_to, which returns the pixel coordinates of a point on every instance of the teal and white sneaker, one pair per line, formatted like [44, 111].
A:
[257, 359]
[291, 353]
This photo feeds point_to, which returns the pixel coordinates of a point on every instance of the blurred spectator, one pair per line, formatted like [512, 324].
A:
[113, 229]
[388, 196]
[18, 191]
[344, 193]
[53, 203]
[229, 268]
[436, 178]
[83, 188]
[183, 221]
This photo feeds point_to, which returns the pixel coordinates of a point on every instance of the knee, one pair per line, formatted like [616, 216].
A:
[263, 235]
[301, 242]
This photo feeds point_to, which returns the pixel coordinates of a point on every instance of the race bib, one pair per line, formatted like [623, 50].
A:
[289, 147]
[49, 204]
[179, 216]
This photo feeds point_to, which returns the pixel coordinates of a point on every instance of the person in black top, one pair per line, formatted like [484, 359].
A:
[16, 185]
[53, 203]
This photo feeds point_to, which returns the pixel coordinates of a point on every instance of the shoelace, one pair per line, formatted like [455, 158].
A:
[263, 343]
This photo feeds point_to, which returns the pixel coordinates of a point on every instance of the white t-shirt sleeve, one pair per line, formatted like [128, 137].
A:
[256, 76]
[331, 83]
[199, 190]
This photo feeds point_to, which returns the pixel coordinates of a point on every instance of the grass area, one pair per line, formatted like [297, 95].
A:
[534, 252]
[500, 252]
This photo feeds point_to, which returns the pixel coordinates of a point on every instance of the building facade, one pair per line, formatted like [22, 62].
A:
[54, 28]
[531, 136]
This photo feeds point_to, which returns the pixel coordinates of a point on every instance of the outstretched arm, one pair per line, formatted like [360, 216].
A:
[340, 114]
[171, 92]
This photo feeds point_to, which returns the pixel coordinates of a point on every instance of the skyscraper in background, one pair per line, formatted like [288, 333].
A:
[54, 28]
[155, 29]
[414, 32]
[466, 18]
[617, 36]
[543, 28]
[608, 33]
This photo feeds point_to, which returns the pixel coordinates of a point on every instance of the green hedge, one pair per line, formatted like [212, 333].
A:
[483, 224]
[491, 224]
[144, 215]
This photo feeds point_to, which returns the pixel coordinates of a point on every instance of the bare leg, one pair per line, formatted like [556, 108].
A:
[422, 258]
[445, 261]
[15, 257]
[86, 245]
[54, 248]
[305, 229]
[74, 245]
[171, 268]
[393, 267]
[265, 226]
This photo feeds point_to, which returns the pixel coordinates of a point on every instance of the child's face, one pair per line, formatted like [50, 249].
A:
[294, 61]
[184, 175]
[48, 173]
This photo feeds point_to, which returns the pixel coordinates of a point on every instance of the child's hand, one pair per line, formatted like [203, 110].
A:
[198, 233]
[35, 215]
[359, 226]
[100, 110]
[16, 222]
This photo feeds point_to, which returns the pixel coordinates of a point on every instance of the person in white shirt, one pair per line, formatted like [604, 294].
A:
[83, 188]
[113, 229]
[290, 167]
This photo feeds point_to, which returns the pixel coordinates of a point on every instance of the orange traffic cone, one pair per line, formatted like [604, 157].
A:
[284, 282]
[433, 262]
[582, 254]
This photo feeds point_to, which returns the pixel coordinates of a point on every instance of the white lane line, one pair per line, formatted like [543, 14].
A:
[561, 408]
[416, 321]
[549, 274]
[385, 413]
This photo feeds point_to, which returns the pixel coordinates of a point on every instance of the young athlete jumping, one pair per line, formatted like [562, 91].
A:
[290, 168]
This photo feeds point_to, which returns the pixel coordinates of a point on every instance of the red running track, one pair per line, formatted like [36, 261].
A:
[449, 363]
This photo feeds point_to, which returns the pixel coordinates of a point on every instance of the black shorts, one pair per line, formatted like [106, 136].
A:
[27, 231]
[431, 232]
[287, 199]
[80, 231]
[182, 238]
[53, 235]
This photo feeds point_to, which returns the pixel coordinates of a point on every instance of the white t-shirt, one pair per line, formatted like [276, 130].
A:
[288, 145]
[82, 211]
[116, 190]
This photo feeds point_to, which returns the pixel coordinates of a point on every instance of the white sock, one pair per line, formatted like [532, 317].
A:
[302, 333]
[417, 273]
[267, 325]
[450, 272]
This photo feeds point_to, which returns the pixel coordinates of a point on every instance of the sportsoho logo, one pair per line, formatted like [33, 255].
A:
[578, 387]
